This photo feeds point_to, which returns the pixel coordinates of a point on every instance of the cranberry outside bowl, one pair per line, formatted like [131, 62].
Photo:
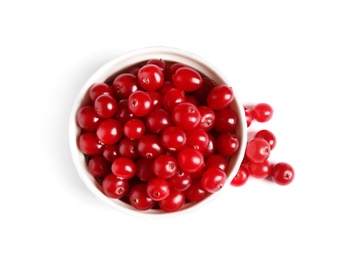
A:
[107, 73]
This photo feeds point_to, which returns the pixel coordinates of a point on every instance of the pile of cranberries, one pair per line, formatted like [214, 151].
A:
[160, 134]
[256, 161]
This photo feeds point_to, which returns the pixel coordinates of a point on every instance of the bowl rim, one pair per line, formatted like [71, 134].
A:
[115, 65]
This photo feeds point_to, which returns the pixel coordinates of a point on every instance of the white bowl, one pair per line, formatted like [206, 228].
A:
[124, 61]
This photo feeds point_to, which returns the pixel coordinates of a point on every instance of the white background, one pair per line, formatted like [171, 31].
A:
[285, 53]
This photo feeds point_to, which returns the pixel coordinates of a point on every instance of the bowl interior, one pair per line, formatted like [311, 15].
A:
[105, 73]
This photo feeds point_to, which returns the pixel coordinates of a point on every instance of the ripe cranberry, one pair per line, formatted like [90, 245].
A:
[227, 144]
[174, 201]
[111, 152]
[158, 62]
[144, 169]
[181, 181]
[158, 189]
[158, 120]
[140, 103]
[89, 144]
[213, 179]
[123, 168]
[109, 131]
[123, 85]
[150, 146]
[218, 161]
[172, 97]
[105, 106]
[87, 118]
[150, 77]
[226, 120]
[165, 166]
[262, 112]
[187, 79]
[282, 173]
[195, 192]
[115, 187]
[241, 177]
[186, 116]
[157, 99]
[139, 199]
[207, 120]
[259, 170]
[134, 128]
[123, 113]
[99, 89]
[128, 148]
[173, 138]
[220, 97]
[258, 150]
[267, 136]
[190, 160]
[197, 139]
[98, 166]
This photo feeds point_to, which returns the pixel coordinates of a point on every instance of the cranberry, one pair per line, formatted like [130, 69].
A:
[115, 187]
[258, 150]
[158, 189]
[140, 103]
[139, 198]
[124, 84]
[105, 106]
[213, 179]
[190, 160]
[174, 201]
[150, 77]
[186, 116]
[99, 89]
[220, 97]
[241, 177]
[262, 112]
[187, 79]
[282, 173]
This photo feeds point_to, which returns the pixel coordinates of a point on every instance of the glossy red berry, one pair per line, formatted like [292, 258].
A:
[98, 166]
[138, 197]
[87, 118]
[282, 173]
[158, 189]
[99, 89]
[220, 97]
[150, 146]
[218, 161]
[241, 177]
[181, 181]
[123, 85]
[259, 170]
[186, 116]
[140, 103]
[173, 138]
[262, 112]
[105, 106]
[165, 166]
[109, 131]
[227, 144]
[187, 79]
[89, 144]
[174, 201]
[150, 77]
[226, 120]
[115, 187]
[258, 150]
[190, 160]
[123, 168]
[267, 136]
[197, 139]
[134, 128]
[213, 179]
[195, 192]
